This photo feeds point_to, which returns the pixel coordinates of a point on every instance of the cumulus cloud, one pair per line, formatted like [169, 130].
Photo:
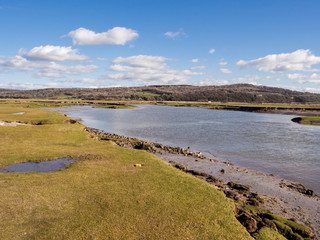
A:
[225, 70]
[295, 75]
[300, 60]
[148, 70]
[312, 90]
[198, 67]
[223, 63]
[58, 70]
[212, 50]
[114, 36]
[210, 82]
[195, 60]
[52, 53]
[28, 86]
[301, 78]
[101, 59]
[174, 35]
[89, 81]
[43, 69]
[250, 79]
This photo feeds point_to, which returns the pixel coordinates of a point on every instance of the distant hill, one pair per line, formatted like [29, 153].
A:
[228, 93]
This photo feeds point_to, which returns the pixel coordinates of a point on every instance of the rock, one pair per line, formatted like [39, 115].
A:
[178, 165]
[209, 178]
[238, 186]
[296, 187]
[232, 194]
[293, 219]
[268, 223]
[257, 197]
[296, 119]
[253, 201]
[212, 179]
[248, 222]
[198, 173]
[309, 192]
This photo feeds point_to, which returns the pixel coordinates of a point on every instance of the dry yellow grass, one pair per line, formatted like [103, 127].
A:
[102, 196]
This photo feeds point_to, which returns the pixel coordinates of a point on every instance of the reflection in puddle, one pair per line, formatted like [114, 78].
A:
[18, 113]
[48, 166]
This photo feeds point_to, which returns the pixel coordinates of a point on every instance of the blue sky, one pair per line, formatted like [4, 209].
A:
[82, 43]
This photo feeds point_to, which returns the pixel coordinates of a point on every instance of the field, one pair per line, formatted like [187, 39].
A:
[102, 195]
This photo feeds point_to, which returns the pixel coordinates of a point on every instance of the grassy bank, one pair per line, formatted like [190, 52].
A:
[307, 120]
[311, 109]
[266, 107]
[101, 196]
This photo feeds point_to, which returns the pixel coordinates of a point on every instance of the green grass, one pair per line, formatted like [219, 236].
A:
[102, 196]
[289, 225]
[310, 120]
[63, 96]
[31, 114]
[149, 94]
[239, 106]
[268, 234]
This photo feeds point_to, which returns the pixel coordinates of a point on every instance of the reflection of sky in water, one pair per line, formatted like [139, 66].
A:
[47, 166]
[266, 142]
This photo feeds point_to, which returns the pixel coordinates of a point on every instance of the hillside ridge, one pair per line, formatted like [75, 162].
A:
[227, 93]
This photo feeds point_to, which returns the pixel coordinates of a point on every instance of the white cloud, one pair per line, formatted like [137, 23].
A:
[148, 70]
[209, 82]
[212, 50]
[43, 69]
[144, 61]
[195, 60]
[223, 63]
[90, 81]
[28, 86]
[225, 70]
[312, 90]
[301, 78]
[61, 70]
[250, 79]
[300, 60]
[52, 53]
[114, 36]
[174, 35]
[198, 67]
[295, 76]
[101, 59]
[299, 88]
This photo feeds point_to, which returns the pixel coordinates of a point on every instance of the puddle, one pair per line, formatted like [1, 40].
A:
[18, 113]
[48, 166]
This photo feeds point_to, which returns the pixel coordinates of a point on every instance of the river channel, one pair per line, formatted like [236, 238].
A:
[270, 143]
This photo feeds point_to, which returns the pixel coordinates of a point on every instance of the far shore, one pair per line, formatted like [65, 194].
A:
[307, 109]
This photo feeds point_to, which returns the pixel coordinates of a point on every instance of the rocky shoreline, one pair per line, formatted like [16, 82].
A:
[255, 194]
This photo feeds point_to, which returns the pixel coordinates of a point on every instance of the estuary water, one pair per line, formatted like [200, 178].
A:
[270, 143]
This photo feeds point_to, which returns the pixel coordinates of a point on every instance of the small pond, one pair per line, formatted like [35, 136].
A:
[47, 166]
